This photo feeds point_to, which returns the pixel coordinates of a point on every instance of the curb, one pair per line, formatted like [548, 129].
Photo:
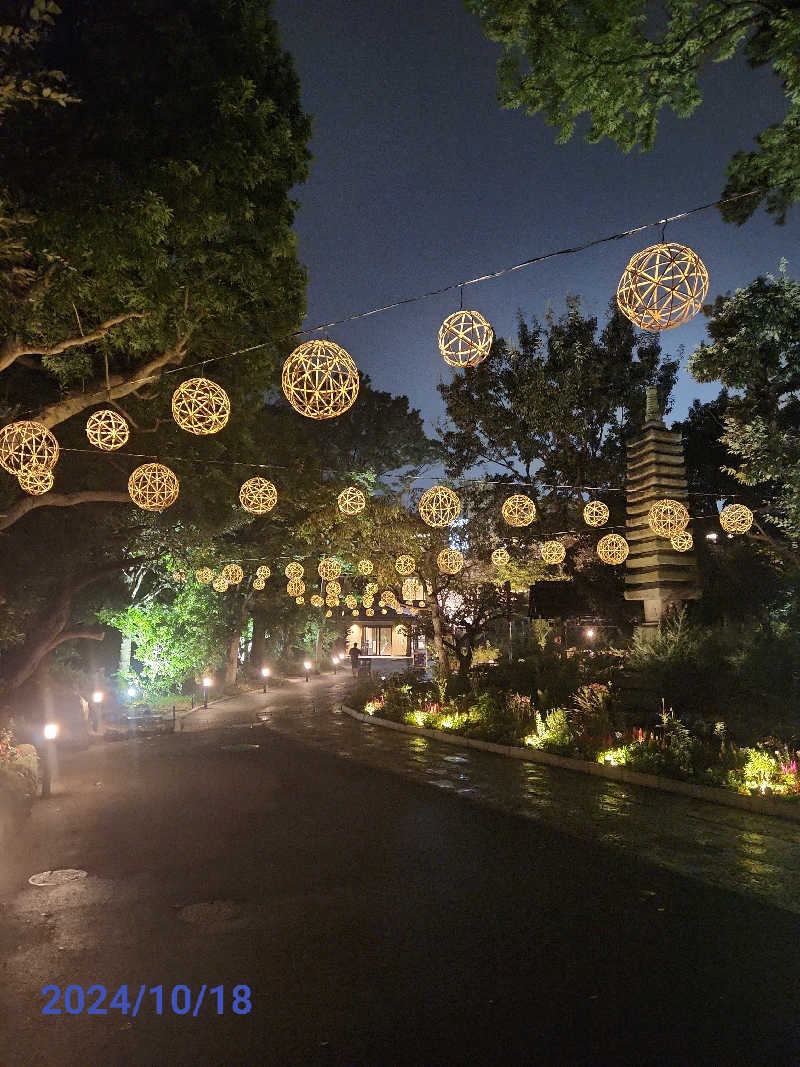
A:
[755, 805]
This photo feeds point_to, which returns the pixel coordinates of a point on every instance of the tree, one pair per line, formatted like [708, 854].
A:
[23, 81]
[620, 63]
[754, 350]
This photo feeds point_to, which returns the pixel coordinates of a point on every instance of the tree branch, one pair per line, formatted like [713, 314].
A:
[16, 347]
[72, 635]
[118, 386]
[60, 500]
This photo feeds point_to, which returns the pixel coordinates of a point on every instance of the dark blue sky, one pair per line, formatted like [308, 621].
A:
[419, 179]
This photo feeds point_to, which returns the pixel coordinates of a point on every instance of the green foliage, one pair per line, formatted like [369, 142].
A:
[553, 733]
[620, 63]
[172, 640]
[754, 351]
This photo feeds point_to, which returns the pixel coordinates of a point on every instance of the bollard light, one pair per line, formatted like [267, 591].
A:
[265, 675]
[307, 666]
[50, 731]
[131, 691]
[589, 632]
[206, 684]
[97, 696]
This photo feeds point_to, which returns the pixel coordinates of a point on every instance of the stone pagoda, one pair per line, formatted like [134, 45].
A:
[655, 572]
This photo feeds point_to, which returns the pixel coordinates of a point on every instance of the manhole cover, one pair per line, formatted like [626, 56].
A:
[60, 877]
[238, 748]
[209, 911]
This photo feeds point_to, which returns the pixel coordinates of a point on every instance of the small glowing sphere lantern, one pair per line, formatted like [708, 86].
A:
[682, 542]
[295, 587]
[263, 572]
[668, 518]
[365, 566]
[351, 501]
[27, 445]
[328, 614]
[518, 510]
[370, 612]
[663, 286]
[449, 561]
[220, 584]
[351, 601]
[35, 481]
[200, 406]
[500, 557]
[258, 496]
[612, 549]
[317, 600]
[204, 575]
[388, 597]
[333, 588]
[153, 487]
[439, 506]
[294, 570]
[107, 430]
[736, 518]
[299, 600]
[371, 588]
[232, 573]
[553, 552]
[259, 584]
[465, 339]
[320, 379]
[329, 569]
[332, 601]
[595, 513]
[404, 565]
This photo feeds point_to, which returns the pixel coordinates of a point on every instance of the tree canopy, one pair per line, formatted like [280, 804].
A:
[621, 62]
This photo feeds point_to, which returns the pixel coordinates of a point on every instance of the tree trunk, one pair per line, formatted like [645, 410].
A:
[438, 642]
[318, 648]
[232, 659]
[259, 645]
[125, 650]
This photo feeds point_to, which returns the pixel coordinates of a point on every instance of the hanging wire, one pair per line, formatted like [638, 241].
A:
[355, 316]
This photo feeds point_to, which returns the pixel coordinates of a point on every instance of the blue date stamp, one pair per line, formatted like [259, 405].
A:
[128, 1000]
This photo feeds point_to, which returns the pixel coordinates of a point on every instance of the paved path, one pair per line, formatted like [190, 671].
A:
[380, 920]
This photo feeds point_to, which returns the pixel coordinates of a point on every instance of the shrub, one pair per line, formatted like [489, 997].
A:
[552, 734]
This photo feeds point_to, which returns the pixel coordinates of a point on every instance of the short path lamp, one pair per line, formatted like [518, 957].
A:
[206, 686]
[335, 661]
[48, 756]
[307, 666]
[265, 676]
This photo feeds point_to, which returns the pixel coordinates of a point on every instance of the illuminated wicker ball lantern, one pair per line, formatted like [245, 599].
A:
[500, 557]
[439, 506]
[371, 588]
[405, 565]
[595, 513]
[317, 600]
[388, 597]
[351, 601]
[365, 566]
[294, 570]
[153, 487]
[518, 510]
[299, 600]
[219, 584]
[328, 614]
[333, 588]
[736, 518]
[351, 501]
[295, 587]
[612, 549]
[320, 380]
[465, 339]
[449, 561]
[107, 430]
[329, 569]
[204, 575]
[36, 481]
[370, 612]
[553, 552]
[232, 573]
[27, 446]
[663, 286]
[682, 542]
[668, 518]
[200, 406]
[258, 496]
[259, 584]
[263, 571]
[332, 601]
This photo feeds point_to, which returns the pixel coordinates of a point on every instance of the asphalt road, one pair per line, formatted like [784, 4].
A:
[374, 919]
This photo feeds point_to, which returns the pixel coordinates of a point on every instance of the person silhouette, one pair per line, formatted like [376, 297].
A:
[355, 655]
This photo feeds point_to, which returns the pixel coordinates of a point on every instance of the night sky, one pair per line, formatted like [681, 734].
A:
[420, 179]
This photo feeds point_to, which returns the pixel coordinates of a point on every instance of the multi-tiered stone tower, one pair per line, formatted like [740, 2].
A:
[656, 573]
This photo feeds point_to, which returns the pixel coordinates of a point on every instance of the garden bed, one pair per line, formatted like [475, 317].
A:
[760, 805]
